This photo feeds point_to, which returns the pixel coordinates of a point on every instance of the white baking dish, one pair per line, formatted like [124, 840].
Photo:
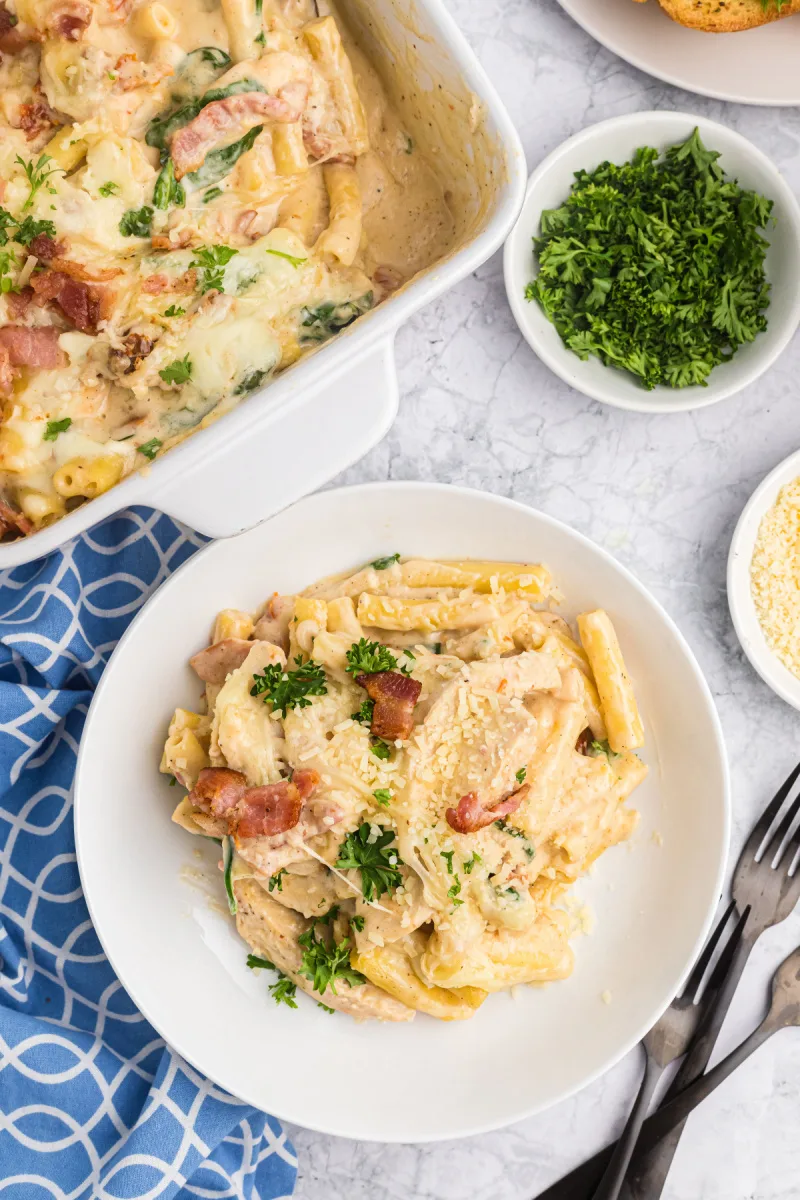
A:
[326, 412]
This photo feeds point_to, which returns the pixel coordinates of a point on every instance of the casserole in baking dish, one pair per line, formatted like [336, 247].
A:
[205, 197]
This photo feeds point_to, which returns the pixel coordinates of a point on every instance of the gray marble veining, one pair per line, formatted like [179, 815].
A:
[663, 495]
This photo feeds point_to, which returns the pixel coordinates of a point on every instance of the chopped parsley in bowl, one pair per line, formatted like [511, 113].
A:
[656, 280]
[656, 266]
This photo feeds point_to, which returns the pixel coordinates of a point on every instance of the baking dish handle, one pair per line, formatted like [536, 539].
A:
[248, 481]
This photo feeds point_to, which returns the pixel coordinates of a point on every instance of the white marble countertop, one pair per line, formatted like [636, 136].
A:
[663, 495]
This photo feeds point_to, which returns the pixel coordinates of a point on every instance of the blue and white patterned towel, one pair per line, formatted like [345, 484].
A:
[93, 1104]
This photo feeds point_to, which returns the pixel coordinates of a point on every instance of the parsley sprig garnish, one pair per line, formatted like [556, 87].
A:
[364, 714]
[325, 963]
[179, 371]
[656, 266]
[23, 231]
[283, 991]
[296, 262]
[286, 689]
[382, 564]
[150, 449]
[54, 428]
[276, 880]
[366, 658]
[38, 173]
[211, 261]
[376, 859]
[255, 961]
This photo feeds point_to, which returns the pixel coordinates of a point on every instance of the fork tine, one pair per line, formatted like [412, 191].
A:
[777, 838]
[701, 966]
[770, 813]
[720, 972]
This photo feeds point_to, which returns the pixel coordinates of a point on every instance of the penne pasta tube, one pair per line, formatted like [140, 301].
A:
[302, 210]
[343, 235]
[531, 578]
[155, 21]
[288, 149]
[66, 149]
[620, 710]
[323, 40]
[231, 623]
[244, 22]
[390, 612]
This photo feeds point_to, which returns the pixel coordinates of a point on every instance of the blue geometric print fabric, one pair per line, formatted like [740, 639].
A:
[93, 1104]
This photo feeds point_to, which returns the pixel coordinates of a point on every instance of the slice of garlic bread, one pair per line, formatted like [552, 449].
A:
[728, 16]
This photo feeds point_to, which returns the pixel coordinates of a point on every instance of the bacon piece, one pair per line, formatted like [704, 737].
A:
[584, 741]
[31, 347]
[470, 815]
[19, 302]
[225, 121]
[35, 118]
[215, 663]
[45, 248]
[13, 34]
[11, 520]
[69, 21]
[395, 696]
[252, 812]
[265, 811]
[218, 790]
[83, 304]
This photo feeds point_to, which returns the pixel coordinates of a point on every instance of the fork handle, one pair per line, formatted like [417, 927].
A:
[650, 1168]
[678, 1109]
[582, 1181]
[610, 1184]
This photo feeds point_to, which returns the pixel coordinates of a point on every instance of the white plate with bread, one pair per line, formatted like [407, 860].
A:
[744, 51]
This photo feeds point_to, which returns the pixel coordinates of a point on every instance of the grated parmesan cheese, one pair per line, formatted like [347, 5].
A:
[775, 576]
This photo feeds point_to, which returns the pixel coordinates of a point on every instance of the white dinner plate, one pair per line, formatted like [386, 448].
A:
[157, 901]
[758, 66]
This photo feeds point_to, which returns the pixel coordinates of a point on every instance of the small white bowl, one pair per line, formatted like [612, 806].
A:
[179, 957]
[615, 141]
[740, 597]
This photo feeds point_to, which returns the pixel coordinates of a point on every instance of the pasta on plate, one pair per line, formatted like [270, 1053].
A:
[407, 768]
[193, 194]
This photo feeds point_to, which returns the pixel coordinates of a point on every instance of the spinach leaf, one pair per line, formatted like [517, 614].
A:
[322, 322]
[250, 382]
[220, 163]
[167, 190]
[162, 128]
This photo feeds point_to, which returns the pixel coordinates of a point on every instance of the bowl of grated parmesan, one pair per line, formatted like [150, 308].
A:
[764, 579]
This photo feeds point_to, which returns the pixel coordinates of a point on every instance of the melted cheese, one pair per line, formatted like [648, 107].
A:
[95, 106]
